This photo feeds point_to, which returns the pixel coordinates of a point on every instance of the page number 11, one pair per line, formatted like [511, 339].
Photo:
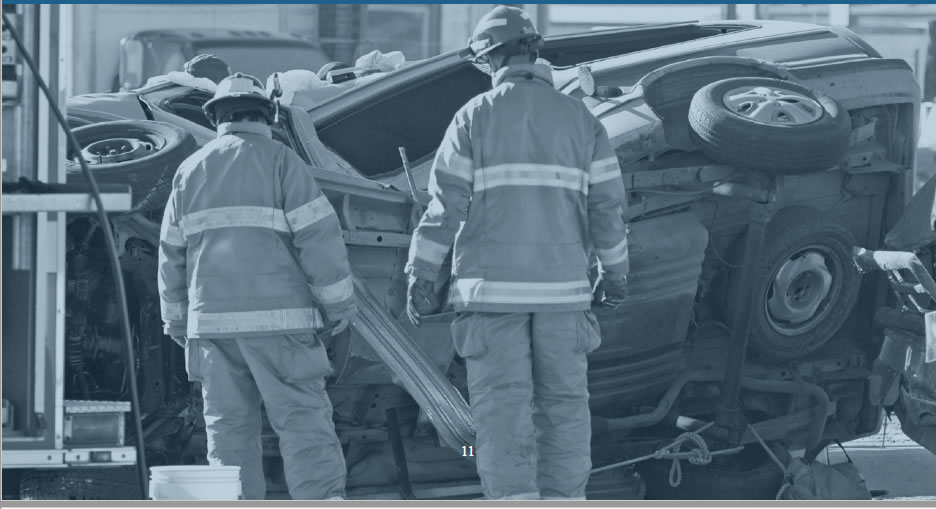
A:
[467, 450]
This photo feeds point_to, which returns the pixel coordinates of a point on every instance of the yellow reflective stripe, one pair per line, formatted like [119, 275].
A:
[430, 250]
[604, 170]
[227, 217]
[172, 235]
[613, 255]
[335, 292]
[254, 321]
[545, 175]
[499, 292]
[173, 310]
[457, 166]
[310, 213]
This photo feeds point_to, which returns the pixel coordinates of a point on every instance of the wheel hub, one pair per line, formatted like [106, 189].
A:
[801, 285]
[116, 150]
[774, 106]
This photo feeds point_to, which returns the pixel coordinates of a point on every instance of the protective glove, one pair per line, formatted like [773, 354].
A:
[615, 290]
[340, 326]
[421, 299]
[180, 340]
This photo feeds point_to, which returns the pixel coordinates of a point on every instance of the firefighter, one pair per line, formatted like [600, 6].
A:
[250, 257]
[525, 184]
[208, 66]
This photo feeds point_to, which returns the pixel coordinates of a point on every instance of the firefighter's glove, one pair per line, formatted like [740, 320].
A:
[180, 340]
[340, 326]
[615, 290]
[421, 299]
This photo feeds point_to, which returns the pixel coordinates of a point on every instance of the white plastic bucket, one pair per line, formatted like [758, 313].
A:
[195, 482]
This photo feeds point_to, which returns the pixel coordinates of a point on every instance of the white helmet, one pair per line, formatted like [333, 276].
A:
[239, 93]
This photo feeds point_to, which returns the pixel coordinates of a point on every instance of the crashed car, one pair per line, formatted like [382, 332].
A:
[759, 158]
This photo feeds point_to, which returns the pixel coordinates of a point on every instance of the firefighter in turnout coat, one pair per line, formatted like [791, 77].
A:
[250, 257]
[525, 185]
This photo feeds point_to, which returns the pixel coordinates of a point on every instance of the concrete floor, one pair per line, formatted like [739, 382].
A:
[891, 461]
[901, 471]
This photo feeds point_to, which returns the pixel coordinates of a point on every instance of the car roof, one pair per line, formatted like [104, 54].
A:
[218, 35]
[760, 31]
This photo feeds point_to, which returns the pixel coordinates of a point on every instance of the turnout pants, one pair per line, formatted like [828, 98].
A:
[527, 381]
[286, 373]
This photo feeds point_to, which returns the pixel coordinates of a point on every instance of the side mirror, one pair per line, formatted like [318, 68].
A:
[131, 64]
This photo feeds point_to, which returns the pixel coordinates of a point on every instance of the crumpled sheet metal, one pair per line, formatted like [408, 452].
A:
[446, 408]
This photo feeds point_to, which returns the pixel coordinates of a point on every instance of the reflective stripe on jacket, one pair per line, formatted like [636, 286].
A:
[544, 188]
[249, 245]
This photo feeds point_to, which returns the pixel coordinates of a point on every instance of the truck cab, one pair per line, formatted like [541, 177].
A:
[150, 53]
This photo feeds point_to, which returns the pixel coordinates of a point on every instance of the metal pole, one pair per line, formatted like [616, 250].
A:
[730, 423]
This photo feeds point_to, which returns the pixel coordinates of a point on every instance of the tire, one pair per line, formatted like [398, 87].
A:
[80, 483]
[155, 151]
[749, 475]
[782, 144]
[813, 251]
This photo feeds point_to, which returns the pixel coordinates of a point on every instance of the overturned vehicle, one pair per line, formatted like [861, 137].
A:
[759, 159]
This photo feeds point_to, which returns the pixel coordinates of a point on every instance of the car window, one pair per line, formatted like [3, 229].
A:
[161, 57]
[415, 117]
[187, 103]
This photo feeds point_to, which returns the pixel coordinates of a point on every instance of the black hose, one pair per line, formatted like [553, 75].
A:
[112, 255]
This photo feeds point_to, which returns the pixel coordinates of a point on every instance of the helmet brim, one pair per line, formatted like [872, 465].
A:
[245, 96]
[534, 41]
[260, 104]
[480, 53]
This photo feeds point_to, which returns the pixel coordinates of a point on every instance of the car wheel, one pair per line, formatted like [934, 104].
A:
[749, 475]
[141, 153]
[80, 483]
[804, 287]
[769, 125]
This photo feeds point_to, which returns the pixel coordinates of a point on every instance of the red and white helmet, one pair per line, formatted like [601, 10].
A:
[238, 93]
[502, 27]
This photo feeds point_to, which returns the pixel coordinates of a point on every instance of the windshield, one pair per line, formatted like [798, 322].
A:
[263, 59]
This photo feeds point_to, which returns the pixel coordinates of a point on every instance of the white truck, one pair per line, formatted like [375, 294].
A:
[136, 42]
